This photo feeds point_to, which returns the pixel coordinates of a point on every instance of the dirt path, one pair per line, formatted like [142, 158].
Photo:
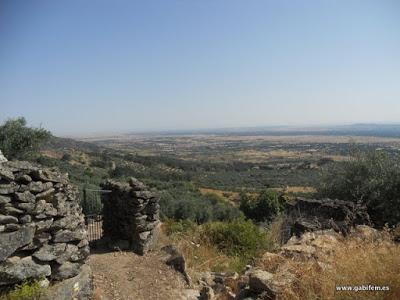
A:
[127, 276]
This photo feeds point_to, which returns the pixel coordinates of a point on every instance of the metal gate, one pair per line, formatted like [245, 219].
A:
[92, 208]
[94, 227]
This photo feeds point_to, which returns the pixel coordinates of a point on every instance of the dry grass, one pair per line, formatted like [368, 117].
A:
[354, 263]
[200, 255]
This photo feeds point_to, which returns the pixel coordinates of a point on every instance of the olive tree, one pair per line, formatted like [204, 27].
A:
[370, 178]
[18, 141]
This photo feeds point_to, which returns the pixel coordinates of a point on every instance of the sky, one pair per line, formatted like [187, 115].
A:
[109, 66]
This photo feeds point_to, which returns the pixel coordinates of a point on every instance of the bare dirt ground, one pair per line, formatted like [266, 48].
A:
[127, 276]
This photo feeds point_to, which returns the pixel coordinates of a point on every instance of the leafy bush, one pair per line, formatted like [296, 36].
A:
[29, 290]
[263, 208]
[371, 178]
[218, 246]
[172, 227]
[236, 238]
[19, 141]
[183, 201]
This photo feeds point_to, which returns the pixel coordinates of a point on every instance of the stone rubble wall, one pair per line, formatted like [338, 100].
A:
[42, 228]
[305, 215]
[130, 215]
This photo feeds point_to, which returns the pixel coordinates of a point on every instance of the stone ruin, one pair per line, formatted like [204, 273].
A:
[42, 231]
[130, 215]
[305, 215]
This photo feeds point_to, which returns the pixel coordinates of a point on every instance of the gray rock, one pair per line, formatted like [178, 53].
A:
[189, 294]
[152, 208]
[44, 283]
[46, 194]
[25, 219]
[64, 236]
[176, 260]
[136, 184]
[66, 270]
[44, 225]
[70, 250]
[207, 293]
[25, 197]
[24, 179]
[5, 199]
[47, 175]
[59, 202]
[36, 186]
[10, 210]
[260, 281]
[22, 188]
[38, 241]
[17, 165]
[6, 173]
[42, 207]
[10, 242]
[27, 207]
[6, 189]
[143, 194]
[70, 222]
[50, 252]
[78, 287]
[16, 269]
[83, 243]
[3, 159]
[11, 227]
[144, 235]
[8, 219]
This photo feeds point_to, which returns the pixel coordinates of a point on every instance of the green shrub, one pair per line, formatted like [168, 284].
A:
[29, 290]
[371, 178]
[175, 227]
[265, 207]
[183, 201]
[18, 141]
[236, 238]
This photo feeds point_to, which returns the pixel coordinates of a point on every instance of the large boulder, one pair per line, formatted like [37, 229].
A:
[77, 287]
[16, 269]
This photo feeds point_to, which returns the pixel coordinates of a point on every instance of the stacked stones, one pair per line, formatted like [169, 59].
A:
[42, 228]
[130, 215]
[304, 215]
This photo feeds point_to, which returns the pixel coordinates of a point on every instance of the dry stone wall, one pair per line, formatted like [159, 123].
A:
[130, 215]
[42, 228]
[303, 215]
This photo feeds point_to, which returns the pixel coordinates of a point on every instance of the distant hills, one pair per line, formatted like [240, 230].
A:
[361, 129]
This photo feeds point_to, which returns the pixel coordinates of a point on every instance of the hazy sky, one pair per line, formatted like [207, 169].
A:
[87, 66]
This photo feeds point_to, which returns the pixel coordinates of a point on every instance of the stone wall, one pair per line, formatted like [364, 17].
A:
[130, 215]
[304, 215]
[42, 228]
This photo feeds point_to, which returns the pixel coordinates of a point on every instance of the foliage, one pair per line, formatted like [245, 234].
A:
[371, 178]
[184, 202]
[217, 246]
[172, 227]
[18, 141]
[235, 238]
[263, 208]
[28, 290]
[66, 157]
